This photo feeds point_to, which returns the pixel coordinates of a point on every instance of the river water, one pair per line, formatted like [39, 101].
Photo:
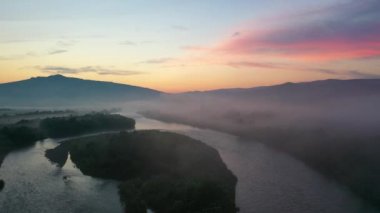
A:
[268, 181]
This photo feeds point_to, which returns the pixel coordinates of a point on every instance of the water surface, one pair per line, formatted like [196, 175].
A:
[34, 185]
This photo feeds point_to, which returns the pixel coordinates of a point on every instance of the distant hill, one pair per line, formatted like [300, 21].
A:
[58, 90]
[306, 92]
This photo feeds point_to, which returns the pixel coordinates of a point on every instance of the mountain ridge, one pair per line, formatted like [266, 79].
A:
[60, 90]
[303, 92]
[57, 90]
[278, 85]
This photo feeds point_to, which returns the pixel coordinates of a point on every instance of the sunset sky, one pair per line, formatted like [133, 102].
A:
[178, 45]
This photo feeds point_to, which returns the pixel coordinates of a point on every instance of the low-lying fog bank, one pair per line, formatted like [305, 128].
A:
[339, 138]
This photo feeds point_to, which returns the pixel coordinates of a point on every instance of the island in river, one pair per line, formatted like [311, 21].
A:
[162, 171]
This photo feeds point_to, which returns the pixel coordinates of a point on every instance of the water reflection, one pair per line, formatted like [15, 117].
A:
[35, 185]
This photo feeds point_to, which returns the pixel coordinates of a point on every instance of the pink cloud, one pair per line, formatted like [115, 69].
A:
[297, 67]
[342, 31]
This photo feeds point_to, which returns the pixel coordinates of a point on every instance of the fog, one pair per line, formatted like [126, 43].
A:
[338, 137]
[356, 116]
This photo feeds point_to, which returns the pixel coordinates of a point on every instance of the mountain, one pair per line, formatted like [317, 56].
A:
[306, 92]
[58, 90]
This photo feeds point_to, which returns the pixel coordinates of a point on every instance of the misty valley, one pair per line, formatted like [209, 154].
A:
[307, 147]
[170, 106]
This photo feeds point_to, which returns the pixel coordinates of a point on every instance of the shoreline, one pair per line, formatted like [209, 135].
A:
[3, 154]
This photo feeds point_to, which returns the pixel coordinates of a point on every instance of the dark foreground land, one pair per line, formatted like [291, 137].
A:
[162, 171]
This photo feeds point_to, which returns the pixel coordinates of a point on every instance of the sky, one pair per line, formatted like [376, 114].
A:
[178, 45]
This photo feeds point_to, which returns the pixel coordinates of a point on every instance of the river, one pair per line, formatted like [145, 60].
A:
[268, 181]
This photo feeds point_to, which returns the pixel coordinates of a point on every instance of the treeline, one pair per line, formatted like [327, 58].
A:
[18, 136]
[46, 112]
[25, 132]
[12, 113]
[14, 137]
[57, 127]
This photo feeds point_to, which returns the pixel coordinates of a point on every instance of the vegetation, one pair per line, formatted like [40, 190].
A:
[59, 155]
[57, 127]
[27, 132]
[2, 184]
[173, 195]
[16, 114]
[46, 112]
[19, 136]
[162, 171]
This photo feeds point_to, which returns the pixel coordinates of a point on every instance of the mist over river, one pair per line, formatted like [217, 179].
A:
[268, 181]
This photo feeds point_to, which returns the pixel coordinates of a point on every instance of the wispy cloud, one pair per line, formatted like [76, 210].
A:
[342, 31]
[57, 70]
[66, 43]
[135, 43]
[282, 66]
[59, 48]
[235, 34]
[294, 67]
[359, 74]
[52, 51]
[157, 61]
[90, 69]
[239, 64]
[6, 58]
[18, 56]
[55, 52]
[32, 54]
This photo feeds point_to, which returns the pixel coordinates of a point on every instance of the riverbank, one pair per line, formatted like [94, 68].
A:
[3, 153]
